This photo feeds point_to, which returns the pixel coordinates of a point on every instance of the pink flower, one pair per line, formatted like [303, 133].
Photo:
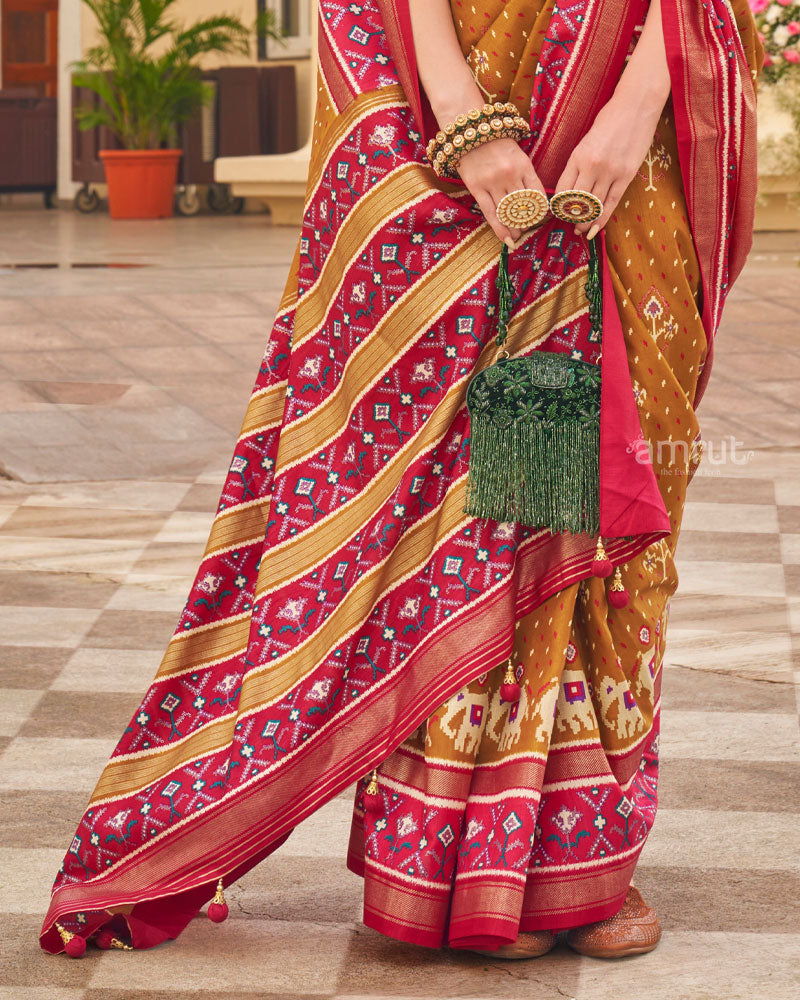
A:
[757, 6]
[767, 59]
[792, 56]
[785, 3]
[794, 27]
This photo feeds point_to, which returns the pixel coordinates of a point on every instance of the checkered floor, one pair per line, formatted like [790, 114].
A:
[94, 572]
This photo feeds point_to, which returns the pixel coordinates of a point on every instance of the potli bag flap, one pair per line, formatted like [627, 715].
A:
[535, 429]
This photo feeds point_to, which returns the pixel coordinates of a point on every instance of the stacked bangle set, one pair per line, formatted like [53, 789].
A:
[480, 125]
[518, 209]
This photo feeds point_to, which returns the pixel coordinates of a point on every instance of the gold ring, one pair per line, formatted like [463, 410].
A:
[522, 209]
[575, 205]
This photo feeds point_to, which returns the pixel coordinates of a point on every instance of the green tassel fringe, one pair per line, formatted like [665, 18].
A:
[535, 429]
[535, 475]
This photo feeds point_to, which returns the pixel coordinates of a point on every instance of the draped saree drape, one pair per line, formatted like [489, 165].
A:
[347, 613]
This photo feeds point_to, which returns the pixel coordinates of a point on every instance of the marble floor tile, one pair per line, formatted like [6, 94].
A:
[16, 704]
[764, 902]
[735, 546]
[731, 489]
[115, 495]
[132, 630]
[152, 592]
[26, 874]
[694, 838]
[40, 993]
[83, 522]
[24, 966]
[66, 363]
[201, 305]
[202, 497]
[719, 649]
[719, 735]
[253, 954]
[706, 612]
[725, 578]
[224, 987]
[40, 818]
[53, 590]
[89, 714]
[38, 626]
[224, 331]
[16, 311]
[168, 365]
[39, 336]
[31, 666]
[703, 966]
[789, 520]
[324, 834]
[108, 670]
[289, 887]
[58, 764]
[106, 558]
[181, 557]
[707, 689]
[691, 783]
[736, 517]
[790, 549]
[186, 526]
[429, 972]
[20, 397]
[145, 331]
[78, 308]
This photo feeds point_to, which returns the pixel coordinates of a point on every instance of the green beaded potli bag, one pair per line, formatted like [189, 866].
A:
[535, 429]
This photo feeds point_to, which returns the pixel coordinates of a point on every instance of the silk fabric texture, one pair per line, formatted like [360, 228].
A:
[346, 613]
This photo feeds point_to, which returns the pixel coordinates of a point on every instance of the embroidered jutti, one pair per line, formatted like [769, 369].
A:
[347, 614]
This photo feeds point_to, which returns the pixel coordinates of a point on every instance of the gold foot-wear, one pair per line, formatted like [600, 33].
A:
[633, 931]
[532, 944]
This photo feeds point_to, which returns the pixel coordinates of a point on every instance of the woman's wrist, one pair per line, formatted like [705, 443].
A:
[640, 97]
[457, 100]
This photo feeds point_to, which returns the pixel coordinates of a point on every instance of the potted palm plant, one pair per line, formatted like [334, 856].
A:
[144, 70]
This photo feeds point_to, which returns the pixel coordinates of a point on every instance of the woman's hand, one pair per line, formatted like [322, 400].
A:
[609, 156]
[490, 172]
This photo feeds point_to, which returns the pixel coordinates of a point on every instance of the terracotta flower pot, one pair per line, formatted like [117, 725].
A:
[141, 182]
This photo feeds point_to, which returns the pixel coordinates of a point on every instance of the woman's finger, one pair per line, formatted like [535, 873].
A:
[590, 182]
[498, 192]
[612, 199]
[487, 206]
[569, 176]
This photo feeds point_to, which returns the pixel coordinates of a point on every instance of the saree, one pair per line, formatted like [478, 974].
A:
[347, 615]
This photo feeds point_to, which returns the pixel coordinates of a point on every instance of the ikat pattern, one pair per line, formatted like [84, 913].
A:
[340, 556]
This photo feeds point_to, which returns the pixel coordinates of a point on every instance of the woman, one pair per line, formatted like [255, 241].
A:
[349, 622]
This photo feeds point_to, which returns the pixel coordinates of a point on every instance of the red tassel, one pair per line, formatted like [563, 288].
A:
[106, 940]
[601, 565]
[74, 944]
[373, 803]
[510, 689]
[618, 596]
[218, 908]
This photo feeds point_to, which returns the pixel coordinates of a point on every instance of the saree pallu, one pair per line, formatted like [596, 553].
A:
[347, 614]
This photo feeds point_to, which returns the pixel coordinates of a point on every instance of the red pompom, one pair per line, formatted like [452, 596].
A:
[602, 568]
[103, 939]
[510, 691]
[217, 912]
[76, 946]
[618, 598]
